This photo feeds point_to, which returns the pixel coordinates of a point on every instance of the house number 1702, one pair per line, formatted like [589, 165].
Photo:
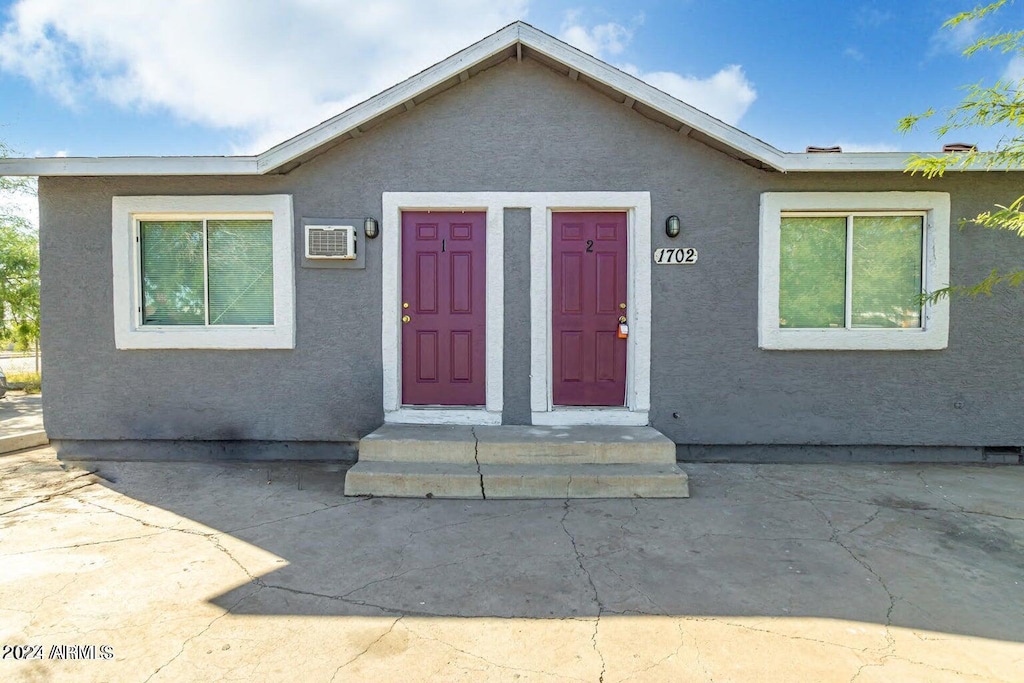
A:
[675, 256]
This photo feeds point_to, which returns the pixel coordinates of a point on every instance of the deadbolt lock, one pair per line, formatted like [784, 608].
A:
[405, 304]
[406, 318]
[622, 306]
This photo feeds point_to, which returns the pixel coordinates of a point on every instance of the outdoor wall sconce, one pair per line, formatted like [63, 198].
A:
[371, 228]
[672, 226]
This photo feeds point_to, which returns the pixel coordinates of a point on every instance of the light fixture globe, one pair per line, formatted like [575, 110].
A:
[371, 228]
[672, 226]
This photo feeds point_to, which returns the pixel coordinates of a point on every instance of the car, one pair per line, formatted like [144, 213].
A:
[3, 383]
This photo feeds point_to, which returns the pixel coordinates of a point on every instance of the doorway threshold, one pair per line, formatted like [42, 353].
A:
[442, 415]
[570, 416]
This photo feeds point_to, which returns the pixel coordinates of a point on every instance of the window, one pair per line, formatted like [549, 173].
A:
[203, 272]
[847, 270]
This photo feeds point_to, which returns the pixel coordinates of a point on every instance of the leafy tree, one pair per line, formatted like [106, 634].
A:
[19, 267]
[1000, 106]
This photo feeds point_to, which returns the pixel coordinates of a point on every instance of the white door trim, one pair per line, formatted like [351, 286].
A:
[637, 205]
[541, 204]
[494, 302]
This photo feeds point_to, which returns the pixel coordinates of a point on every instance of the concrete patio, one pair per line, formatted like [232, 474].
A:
[768, 573]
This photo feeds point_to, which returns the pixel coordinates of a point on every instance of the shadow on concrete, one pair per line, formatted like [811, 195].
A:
[937, 548]
[20, 413]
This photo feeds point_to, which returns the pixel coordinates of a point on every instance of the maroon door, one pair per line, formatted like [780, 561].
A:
[443, 289]
[588, 294]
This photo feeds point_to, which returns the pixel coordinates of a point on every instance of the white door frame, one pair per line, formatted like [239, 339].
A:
[637, 206]
[541, 205]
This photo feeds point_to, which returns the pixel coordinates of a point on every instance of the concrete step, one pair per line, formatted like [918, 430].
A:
[412, 480]
[450, 480]
[517, 445]
[22, 440]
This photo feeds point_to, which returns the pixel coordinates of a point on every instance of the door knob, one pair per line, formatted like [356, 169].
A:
[622, 318]
[406, 318]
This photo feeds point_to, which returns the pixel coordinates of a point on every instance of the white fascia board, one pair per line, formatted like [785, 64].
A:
[127, 166]
[847, 161]
[864, 161]
[287, 151]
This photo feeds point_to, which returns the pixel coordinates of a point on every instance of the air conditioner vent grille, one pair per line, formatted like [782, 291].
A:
[331, 242]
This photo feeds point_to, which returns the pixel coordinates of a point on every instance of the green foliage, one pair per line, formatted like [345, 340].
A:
[19, 286]
[19, 267]
[999, 106]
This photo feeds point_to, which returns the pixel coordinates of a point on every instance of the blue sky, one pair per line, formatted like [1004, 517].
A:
[136, 77]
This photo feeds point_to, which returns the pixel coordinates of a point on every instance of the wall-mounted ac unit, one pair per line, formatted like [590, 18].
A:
[337, 242]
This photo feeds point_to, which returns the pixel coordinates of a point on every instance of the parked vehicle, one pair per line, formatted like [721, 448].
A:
[3, 383]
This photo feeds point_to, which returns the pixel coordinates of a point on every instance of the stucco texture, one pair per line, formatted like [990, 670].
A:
[522, 127]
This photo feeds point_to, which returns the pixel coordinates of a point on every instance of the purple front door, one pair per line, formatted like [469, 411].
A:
[588, 295]
[443, 291]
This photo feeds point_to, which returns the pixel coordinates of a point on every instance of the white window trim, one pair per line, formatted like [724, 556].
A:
[129, 333]
[934, 331]
[541, 204]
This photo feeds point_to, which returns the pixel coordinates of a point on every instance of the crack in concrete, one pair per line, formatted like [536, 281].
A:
[193, 637]
[959, 508]
[789, 636]
[889, 638]
[700, 658]
[84, 545]
[636, 588]
[392, 577]
[50, 496]
[796, 496]
[368, 647]
[885, 658]
[636, 511]
[872, 518]
[590, 580]
[476, 457]
[495, 664]
[682, 642]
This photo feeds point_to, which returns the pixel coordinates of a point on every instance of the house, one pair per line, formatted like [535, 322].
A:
[506, 209]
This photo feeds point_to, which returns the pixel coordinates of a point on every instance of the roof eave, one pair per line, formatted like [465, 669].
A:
[129, 166]
[880, 162]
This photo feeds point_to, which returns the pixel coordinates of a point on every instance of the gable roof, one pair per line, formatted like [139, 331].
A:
[519, 40]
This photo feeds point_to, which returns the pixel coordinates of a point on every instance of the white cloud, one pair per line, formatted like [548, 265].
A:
[1014, 72]
[854, 54]
[872, 17]
[726, 95]
[265, 69]
[956, 39]
[602, 40]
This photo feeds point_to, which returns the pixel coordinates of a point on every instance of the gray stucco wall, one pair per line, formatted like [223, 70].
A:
[520, 127]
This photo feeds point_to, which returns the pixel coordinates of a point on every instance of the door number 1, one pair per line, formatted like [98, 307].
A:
[675, 256]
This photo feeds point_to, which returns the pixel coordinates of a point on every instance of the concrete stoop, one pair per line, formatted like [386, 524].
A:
[440, 461]
[10, 443]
